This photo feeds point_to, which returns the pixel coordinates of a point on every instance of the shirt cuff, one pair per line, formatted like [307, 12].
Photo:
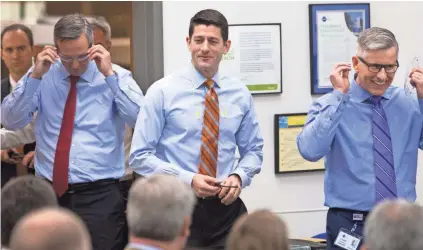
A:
[421, 105]
[112, 81]
[186, 176]
[333, 111]
[243, 176]
[338, 98]
[31, 86]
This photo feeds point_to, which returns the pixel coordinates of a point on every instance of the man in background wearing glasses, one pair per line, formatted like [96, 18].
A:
[83, 104]
[369, 133]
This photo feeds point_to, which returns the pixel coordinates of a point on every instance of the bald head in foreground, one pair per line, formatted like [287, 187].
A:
[394, 225]
[50, 229]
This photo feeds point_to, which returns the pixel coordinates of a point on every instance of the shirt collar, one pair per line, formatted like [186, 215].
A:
[362, 95]
[199, 79]
[13, 83]
[87, 76]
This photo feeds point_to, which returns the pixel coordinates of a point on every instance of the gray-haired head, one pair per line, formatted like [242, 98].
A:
[101, 23]
[71, 27]
[19, 197]
[375, 38]
[158, 207]
[395, 225]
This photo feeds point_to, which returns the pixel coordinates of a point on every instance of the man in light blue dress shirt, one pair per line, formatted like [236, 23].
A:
[107, 97]
[344, 126]
[168, 134]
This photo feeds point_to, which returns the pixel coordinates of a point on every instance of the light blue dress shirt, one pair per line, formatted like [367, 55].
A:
[103, 106]
[339, 128]
[167, 136]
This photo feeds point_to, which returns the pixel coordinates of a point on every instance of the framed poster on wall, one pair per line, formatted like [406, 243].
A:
[287, 157]
[255, 57]
[334, 29]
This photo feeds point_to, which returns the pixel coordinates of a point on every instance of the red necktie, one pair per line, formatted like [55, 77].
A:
[61, 158]
[210, 133]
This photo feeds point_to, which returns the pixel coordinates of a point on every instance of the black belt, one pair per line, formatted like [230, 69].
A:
[335, 209]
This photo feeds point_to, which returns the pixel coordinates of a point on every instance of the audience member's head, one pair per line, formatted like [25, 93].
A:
[260, 230]
[102, 32]
[394, 225]
[159, 211]
[50, 229]
[20, 196]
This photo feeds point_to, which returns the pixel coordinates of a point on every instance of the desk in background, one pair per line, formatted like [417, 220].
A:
[307, 244]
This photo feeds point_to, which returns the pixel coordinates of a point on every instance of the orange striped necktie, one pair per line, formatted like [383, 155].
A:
[210, 133]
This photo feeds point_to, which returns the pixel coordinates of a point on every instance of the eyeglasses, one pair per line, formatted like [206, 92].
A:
[375, 68]
[79, 58]
[409, 86]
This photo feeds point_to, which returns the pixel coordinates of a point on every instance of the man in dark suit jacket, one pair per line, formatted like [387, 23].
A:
[16, 51]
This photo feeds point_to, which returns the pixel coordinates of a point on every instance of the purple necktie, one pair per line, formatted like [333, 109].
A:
[386, 187]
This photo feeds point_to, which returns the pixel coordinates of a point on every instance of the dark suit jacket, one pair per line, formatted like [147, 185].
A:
[5, 88]
[8, 170]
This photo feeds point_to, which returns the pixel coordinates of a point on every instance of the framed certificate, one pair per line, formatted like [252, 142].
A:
[287, 156]
[255, 56]
[334, 29]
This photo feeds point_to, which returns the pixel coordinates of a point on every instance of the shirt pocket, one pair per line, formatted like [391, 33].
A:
[185, 121]
[231, 117]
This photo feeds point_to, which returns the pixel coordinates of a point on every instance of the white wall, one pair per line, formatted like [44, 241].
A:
[296, 197]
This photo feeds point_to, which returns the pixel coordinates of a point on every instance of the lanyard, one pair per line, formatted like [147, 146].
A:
[354, 227]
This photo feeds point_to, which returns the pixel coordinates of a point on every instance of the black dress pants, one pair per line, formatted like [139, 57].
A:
[8, 171]
[338, 218]
[100, 204]
[212, 222]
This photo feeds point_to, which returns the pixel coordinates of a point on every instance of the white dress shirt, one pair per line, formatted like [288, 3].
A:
[9, 138]
[13, 83]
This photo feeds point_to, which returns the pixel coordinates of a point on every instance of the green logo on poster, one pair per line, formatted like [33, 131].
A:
[229, 56]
